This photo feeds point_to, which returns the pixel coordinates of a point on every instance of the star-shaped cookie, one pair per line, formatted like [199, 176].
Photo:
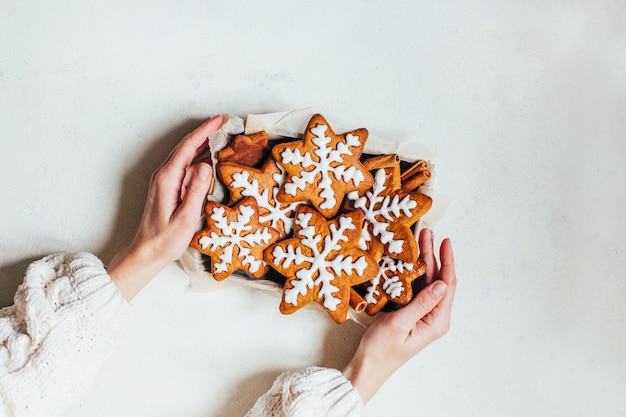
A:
[323, 166]
[392, 283]
[235, 239]
[389, 211]
[321, 262]
[262, 184]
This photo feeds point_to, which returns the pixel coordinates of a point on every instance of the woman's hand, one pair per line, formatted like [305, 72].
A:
[396, 337]
[171, 215]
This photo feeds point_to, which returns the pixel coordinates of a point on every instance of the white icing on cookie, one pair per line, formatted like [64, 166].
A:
[235, 234]
[388, 274]
[318, 262]
[373, 205]
[277, 212]
[325, 157]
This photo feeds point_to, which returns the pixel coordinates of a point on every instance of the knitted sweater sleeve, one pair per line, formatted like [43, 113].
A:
[67, 318]
[311, 392]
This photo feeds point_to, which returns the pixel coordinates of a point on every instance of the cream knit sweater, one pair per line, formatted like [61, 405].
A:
[69, 316]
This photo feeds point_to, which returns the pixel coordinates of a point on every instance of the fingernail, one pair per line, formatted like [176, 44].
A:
[203, 170]
[439, 288]
[432, 235]
[218, 116]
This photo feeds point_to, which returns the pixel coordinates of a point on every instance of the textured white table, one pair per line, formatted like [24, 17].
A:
[525, 103]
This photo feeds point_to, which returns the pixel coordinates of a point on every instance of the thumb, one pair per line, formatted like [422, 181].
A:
[197, 189]
[423, 303]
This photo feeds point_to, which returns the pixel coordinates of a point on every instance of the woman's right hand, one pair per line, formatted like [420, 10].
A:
[396, 337]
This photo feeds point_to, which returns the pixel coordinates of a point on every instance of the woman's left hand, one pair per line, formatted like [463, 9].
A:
[171, 215]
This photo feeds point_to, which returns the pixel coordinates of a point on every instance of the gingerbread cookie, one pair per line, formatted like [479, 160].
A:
[323, 166]
[234, 239]
[262, 184]
[389, 212]
[392, 283]
[321, 262]
[246, 150]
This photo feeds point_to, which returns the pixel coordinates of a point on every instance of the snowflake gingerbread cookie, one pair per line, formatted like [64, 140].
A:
[262, 184]
[394, 282]
[323, 166]
[321, 262]
[234, 239]
[389, 211]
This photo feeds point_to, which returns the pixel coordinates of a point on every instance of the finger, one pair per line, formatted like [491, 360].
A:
[202, 156]
[189, 174]
[448, 275]
[190, 209]
[427, 253]
[193, 144]
[433, 324]
[174, 171]
[422, 304]
[437, 321]
[447, 272]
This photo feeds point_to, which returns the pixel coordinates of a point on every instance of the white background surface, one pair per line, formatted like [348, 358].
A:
[525, 102]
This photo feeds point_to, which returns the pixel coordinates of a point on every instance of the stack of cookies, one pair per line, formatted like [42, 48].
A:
[334, 225]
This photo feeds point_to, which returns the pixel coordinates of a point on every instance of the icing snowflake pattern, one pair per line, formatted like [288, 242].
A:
[323, 167]
[234, 243]
[393, 282]
[325, 265]
[325, 155]
[388, 279]
[263, 185]
[383, 210]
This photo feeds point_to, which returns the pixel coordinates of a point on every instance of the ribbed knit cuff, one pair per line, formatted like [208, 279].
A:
[66, 320]
[321, 392]
[99, 295]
